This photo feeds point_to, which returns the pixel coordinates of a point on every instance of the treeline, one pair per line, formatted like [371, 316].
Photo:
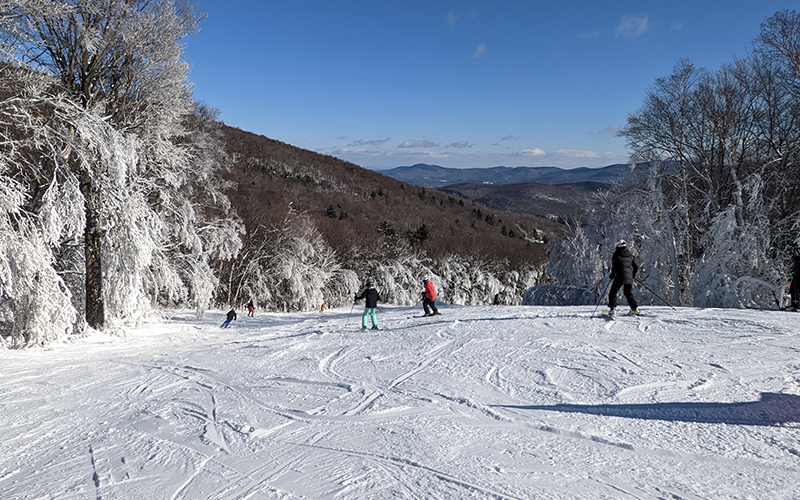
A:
[119, 195]
[716, 218]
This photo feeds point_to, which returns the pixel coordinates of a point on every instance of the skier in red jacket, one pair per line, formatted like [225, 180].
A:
[429, 298]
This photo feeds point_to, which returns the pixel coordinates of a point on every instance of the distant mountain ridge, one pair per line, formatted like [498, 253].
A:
[435, 176]
[564, 203]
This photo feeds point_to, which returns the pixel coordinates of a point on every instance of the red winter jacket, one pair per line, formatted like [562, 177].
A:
[429, 291]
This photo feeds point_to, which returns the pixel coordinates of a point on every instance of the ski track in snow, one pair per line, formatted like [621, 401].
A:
[480, 402]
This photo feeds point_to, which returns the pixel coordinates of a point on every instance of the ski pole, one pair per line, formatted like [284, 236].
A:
[777, 302]
[384, 313]
[350, 313]
[654, 293]
[601, 295]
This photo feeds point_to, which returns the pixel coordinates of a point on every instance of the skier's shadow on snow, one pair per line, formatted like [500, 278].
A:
[771, 409]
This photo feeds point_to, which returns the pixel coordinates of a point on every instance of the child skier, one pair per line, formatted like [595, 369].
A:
[371, 296]
[429, 298]
[231, 316]
[623, 272]
[250, 308]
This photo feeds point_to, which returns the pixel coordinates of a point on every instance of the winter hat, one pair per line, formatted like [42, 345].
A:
[621, 243]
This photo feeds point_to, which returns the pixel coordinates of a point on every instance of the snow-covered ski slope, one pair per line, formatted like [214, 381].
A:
[480, 402]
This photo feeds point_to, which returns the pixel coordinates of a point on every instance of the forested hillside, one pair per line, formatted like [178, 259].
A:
[361, 211]
[564, 203]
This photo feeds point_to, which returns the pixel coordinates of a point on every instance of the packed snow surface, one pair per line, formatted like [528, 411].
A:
[480, 402]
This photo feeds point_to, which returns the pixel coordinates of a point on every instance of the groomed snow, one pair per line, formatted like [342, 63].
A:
[480, 402]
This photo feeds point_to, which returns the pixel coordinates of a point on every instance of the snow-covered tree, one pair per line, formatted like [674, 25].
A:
[288, 267]
[110, 152]
[119, 61]
[40, 209]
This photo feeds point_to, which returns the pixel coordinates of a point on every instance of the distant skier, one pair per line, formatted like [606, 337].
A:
[231, 316]
[250, 309]
[623, 272]
[795, 286]
[429, 298]
[371, 296]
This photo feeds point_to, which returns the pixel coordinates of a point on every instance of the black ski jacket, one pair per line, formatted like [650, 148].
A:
[623, 266]
[372, 297]
[231, 315]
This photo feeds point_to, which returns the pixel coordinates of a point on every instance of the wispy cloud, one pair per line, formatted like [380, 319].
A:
[479, 51]
[590, 35]
[422, 143]
[372, 142]
[676, 26]
[577, 153]
[511, 138]
[452, 18]
[632, 25]
[606, 131]
[460, 145]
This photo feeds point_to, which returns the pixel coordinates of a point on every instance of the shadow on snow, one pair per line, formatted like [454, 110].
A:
[771, 409]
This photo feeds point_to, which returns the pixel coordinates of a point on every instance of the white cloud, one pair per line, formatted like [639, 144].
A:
[511, 138]
[529, 152]
[632, 25]
[460, 145]
[479, 51]
[422, 143]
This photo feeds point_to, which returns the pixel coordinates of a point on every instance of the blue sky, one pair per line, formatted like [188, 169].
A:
[457, 84]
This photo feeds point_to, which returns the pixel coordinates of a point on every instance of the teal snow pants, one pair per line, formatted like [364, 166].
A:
[369, 312]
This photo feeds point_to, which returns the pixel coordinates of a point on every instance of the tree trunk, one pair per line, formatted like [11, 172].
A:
[93, 236]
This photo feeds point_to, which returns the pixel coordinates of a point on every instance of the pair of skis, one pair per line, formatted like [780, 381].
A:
[609, 315]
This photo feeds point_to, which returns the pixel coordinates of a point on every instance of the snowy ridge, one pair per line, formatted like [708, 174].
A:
[481, 402]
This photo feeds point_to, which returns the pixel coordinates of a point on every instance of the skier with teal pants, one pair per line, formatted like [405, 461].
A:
[371, 296]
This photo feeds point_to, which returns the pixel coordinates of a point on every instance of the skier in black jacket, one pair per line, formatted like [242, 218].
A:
[231, 316]
[623, 272]
[371, 296]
